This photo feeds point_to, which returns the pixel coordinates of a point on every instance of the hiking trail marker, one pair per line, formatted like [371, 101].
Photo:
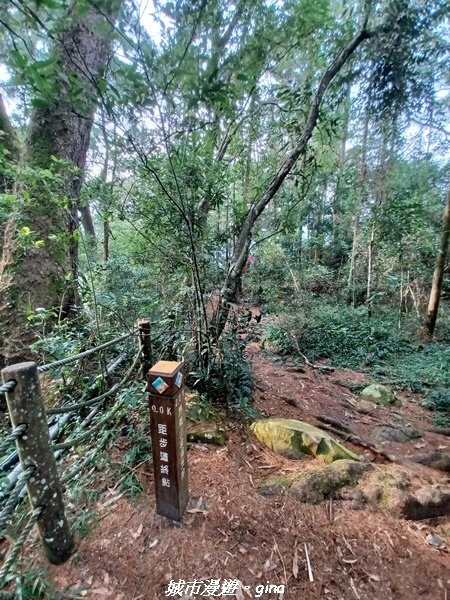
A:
[168, 432]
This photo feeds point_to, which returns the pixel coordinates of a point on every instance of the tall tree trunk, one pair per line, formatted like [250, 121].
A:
[438, 277]
[337, 217]
[369, 270]
[362, 193]
[86, 220]
[104, 178]
[242, 247]
[45, 275]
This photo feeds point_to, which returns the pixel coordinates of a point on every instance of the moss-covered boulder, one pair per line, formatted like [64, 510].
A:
[219, 437]
[403, 495]
[293, 439]
[380, 394]
[317, 484]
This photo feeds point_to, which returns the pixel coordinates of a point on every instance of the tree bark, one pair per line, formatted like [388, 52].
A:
[241, 251]
[438, 277]
[45, 275]
[86, 220]
[337, 216]
[362, 194]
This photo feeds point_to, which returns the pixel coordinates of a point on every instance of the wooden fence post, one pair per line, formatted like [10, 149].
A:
[25, 405]
[168, 431]
[146, 346]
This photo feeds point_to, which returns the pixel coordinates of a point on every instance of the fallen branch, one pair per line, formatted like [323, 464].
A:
[353, 386]
[287, 399]
[440, 430]
[296, 369]
[355, 439]
[334, 422]
[307, 362]
[347, 404]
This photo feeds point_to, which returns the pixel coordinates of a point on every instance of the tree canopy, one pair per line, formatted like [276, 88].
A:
[150, 150]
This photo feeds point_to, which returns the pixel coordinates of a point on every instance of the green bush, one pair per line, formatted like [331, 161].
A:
[338, 332]
[228, 379]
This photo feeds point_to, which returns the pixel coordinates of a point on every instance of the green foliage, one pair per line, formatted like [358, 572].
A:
[33, 583]
[420, 367]
[349, 338]
[200, 408]
[337, 332]
[139, 452]
[439, 402]
[228, 379]
[121, 293]
[84, 523]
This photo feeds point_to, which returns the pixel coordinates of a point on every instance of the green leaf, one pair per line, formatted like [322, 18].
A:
[40, 103]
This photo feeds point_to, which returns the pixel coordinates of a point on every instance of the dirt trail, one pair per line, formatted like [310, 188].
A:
[233, 532]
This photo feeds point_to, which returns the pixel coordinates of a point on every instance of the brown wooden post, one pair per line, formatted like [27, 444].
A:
[25, 405]
[145, 345]
[168, 431]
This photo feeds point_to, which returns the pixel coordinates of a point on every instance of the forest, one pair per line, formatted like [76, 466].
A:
[265, 184]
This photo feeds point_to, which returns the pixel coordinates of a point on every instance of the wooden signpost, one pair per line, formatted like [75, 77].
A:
[168, 432]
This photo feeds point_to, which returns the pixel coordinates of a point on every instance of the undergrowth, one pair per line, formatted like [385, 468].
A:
[228, 379]
[376, 345]
[33, 583]
[338, 332]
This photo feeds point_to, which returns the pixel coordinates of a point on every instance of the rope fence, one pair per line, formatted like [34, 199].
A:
[14, 498]
[80, 438]
[32, 434]
[115, 388]
[7, 387]
[12, 556]
[75, 357]
[12, 437]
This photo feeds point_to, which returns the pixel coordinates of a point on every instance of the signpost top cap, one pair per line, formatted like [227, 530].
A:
[165, 367]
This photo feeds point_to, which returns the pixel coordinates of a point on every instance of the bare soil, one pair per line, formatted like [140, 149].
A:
[231, 531]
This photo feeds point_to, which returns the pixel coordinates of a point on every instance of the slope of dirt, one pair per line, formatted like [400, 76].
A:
[233, 532]
[324, 393]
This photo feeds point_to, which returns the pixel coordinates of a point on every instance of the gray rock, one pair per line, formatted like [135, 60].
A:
[385, 433]
[219, 437]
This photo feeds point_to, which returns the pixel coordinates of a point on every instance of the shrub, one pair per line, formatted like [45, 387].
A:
[338, 332]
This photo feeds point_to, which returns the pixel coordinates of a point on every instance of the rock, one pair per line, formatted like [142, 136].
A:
[390, 476]
[392, 489]
[433, 460]
[366, 407]
[273, 485]
[434, 540]
[219, 437]
[293, 439]
[385, 433]
[385, 487]
[380, 394]
[316, 485]
[434, 501]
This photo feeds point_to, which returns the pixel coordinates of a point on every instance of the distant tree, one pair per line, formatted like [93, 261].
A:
[438, 276]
